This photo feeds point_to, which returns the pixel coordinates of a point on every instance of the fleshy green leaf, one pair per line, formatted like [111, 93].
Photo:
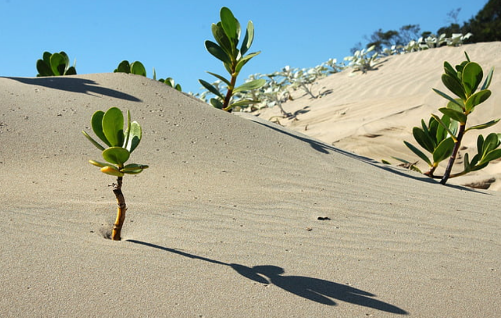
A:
[488, 79]
[485, 125]
[113, 126]
[459, 116]
[248, 39]
[454, 86]
[490, 143]
[447, 97]
[224, 80]
[135, 136]
[138, 68]
[221, 38]
[255, 84]
[217, 52]
[230, 25]
[95, 143]
[116, 155]
[216, 103]
[423, 139]
[443, 150]
[418, 152]
[112, 171]
[211, 88]
[472, 77]
[477, 99]
[445, 127]
[492, 155]
[244, 61]
[97, 126]
[55, 60]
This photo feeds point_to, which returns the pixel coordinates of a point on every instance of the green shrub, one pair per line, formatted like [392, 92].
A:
[55, 64]
[443, 135]
[119, 144]
[227, 35]
[134, 68]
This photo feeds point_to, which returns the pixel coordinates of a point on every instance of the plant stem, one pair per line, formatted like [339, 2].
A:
[229, 93]
[457, 144]
[117, 227]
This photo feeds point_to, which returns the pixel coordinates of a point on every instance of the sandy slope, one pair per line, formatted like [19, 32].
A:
[225, 223]
[371, 114]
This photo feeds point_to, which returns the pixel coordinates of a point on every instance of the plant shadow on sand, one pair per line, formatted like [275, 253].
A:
[76, 85]
[314, 289]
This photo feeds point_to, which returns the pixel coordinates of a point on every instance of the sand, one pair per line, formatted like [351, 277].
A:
[236, 216]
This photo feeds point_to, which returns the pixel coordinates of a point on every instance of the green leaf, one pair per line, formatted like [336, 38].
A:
[244, 61]
[138, 68]
[488, 79]
[477, 99]
[216, 103]
[113, 126]
[135, 135]
[95, 143]
[55, 60]
[492, 155]
[230, 25]
[116, 155]
[244, 102]
[133, 166]
[224, 80]
[467, 166]
[222, 39]
[71, 71]
[99, 163]
[97, 126]
[449, 69]
[443, 150]
[248, 39]
[485, 125]
[459, 116]
[418, 152]
[423, 139]
[44, 69]
[217, 52]
[447, 97]
[127, 131]
[255, 84]
[112, 171]
[490, 143]
[211, 88]
[454, 85]
[472, 77]
[445, 127]
[123, 67]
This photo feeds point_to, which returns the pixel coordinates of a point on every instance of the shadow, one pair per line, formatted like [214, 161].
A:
[314, 289]
[73, 84]
[326, 149]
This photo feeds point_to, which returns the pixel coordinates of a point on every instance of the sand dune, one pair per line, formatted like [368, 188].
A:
[371, 114]
[236, 217]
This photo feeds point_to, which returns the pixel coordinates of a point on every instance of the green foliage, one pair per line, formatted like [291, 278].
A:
[363, 60]
[55, 64]
[118, 143]
[136, 68]
[442, 136]
[227, 35]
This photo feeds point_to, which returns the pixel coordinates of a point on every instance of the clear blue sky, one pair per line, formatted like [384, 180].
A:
[170, 35]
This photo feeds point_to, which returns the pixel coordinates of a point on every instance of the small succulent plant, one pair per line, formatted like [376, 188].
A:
[55, 64]
[227, 35]
[131, 68]
[118, 146]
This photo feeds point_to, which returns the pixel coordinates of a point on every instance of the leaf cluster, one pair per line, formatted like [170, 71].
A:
[443, 135]
[55, 64]
[226, 49]
[118, 143]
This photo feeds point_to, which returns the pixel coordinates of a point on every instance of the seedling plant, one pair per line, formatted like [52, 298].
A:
[442, 136]
[227, 35]
[55, 64]
[118, 145]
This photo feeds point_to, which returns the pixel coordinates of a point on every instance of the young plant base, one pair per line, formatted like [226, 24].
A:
[122, 208]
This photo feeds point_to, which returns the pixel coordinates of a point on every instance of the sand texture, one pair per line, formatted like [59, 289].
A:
[236, 216]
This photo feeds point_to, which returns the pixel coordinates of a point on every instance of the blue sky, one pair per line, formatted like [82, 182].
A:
[170, 35]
